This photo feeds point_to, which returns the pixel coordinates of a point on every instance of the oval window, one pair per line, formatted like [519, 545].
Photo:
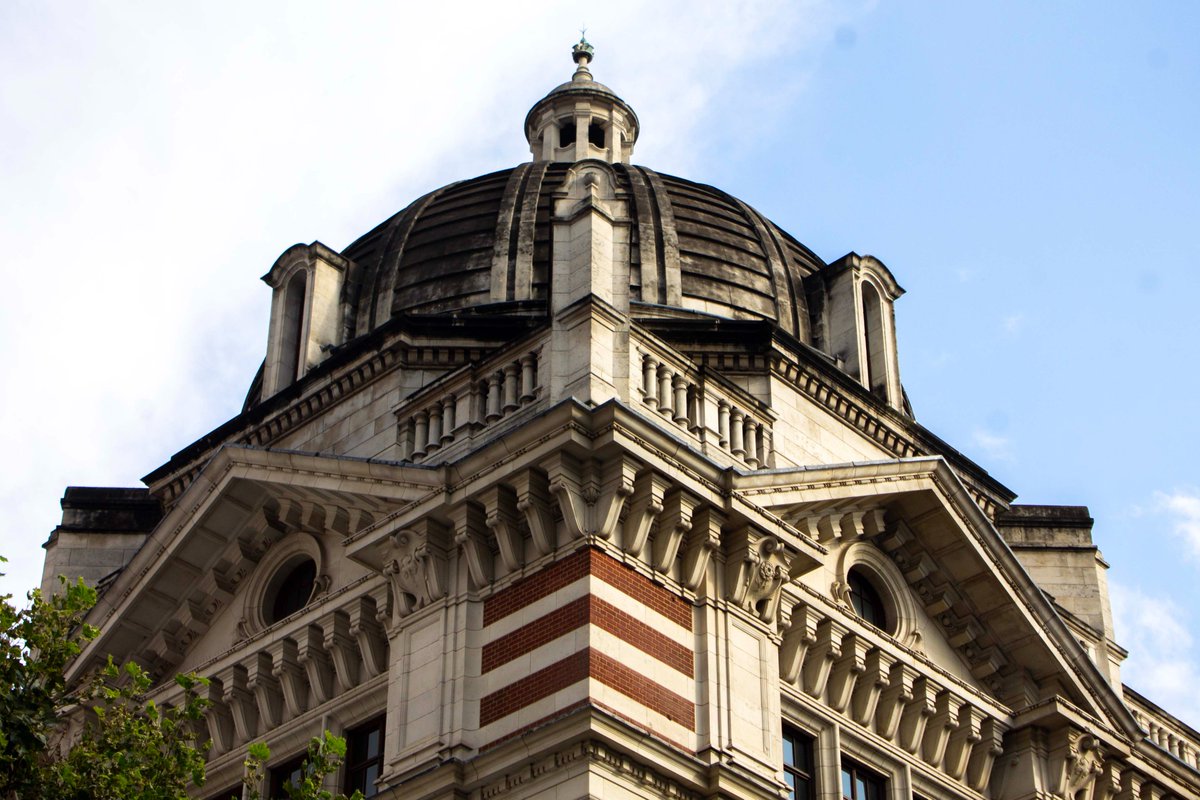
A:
[867, 602]
[292, 590]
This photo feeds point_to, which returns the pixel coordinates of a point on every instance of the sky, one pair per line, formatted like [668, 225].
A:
[1029, 172]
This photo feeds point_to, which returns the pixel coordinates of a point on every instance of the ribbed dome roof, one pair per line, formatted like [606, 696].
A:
[710, 253]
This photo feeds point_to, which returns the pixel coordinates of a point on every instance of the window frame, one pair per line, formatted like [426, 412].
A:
[875, 785]
[796, 742]
[354, 767]
[276, 779]
[865, 596]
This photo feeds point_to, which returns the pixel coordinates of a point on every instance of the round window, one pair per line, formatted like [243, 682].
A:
[290, 590]
[867, 602]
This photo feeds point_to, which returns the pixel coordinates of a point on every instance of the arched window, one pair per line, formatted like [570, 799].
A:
[566, 133]
[875, 368]
[596, 134]
[292, 329]
[867, 602]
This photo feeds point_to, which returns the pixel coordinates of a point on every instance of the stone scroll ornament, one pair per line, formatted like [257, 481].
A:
[760, 564]
[415, 566]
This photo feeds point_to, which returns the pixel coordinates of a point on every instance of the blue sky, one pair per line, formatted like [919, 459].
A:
[1028, 171]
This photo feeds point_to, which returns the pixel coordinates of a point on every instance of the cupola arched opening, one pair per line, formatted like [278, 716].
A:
[596, 134]
[876, 347]
[292, 327]
[566, 132]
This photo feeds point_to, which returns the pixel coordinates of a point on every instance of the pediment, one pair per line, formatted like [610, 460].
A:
[184, 588]
[954, 567]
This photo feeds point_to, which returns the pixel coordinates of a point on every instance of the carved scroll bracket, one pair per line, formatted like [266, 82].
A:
[415, 565]
[757, 567]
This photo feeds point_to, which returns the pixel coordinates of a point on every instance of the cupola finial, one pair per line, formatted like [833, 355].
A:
[581, 118]
[583, 54]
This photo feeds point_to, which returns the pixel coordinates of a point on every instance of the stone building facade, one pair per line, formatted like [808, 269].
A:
[578, 480]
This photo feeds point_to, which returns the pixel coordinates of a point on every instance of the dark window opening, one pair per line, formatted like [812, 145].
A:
[596, 135]
[798, 765]
[566, 133]
[876, 366]
[293, 590]
[290, 345]
[364, 758]
[859, 783]
[868, 604]
[287, 773]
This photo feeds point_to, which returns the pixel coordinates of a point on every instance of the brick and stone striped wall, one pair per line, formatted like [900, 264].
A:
[587, 630]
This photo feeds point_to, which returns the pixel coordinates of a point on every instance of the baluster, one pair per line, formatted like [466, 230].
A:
[435, 427]
[420, 433]
[664, 389]
[449, 412]
[493, 396]
[511, 379]
[528, 376]
[751, 442]
[679, 384]
[737, 429]
[650, 380]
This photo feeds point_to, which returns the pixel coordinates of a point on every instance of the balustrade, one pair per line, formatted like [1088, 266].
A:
[681, 399]
[486, 397]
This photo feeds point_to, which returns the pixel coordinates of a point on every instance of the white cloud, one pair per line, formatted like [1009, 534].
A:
[1185, 507]
[1012, 323]
[1163, 663]
[158, 158]
[993, 445]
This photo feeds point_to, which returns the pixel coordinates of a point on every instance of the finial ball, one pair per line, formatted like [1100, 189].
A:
[583, 52]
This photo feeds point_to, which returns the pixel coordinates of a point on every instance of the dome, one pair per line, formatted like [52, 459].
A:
[518, 243]
[694, 250]
[485, 245]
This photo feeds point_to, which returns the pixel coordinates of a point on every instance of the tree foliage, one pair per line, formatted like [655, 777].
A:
[36, 644]
[325, 755]
[129, 747]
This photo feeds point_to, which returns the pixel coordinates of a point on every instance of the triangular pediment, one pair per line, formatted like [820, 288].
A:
[945, 557]
[184, 593]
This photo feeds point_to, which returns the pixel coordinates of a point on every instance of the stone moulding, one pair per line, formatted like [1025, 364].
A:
[893, 691]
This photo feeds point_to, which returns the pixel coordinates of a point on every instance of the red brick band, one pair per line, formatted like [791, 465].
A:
[637, 686]
[575, 566]
[532, 688]
[576, 614]
[541, 584]
[576, 667]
